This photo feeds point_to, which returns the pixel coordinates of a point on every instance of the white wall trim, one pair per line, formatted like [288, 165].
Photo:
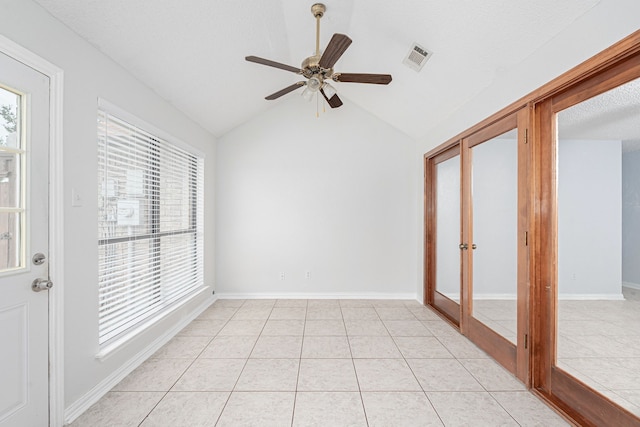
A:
[56, 224]
[337, 295]
[99, 390]
[561, 297]
[591, 297]
[631, 285]
[502, 297]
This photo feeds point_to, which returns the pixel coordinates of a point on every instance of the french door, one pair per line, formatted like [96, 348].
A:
[543, 203]
[477, 238]
[588, 274]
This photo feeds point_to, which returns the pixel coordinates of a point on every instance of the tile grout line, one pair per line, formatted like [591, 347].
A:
[243, 366]
[409, 366]
[353, 363]
[187, 368]
[295, 394]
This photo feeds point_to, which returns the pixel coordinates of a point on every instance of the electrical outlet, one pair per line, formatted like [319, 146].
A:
[282, 275]
[307, 275]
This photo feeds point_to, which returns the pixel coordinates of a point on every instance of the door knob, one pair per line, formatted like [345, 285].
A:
[463, 246]
[474, 246]
[41, 285]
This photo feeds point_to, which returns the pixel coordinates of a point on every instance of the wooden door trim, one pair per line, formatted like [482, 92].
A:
[447, 307]
[583, 404]
[492, 343]
[499, 127]
[444, 305]
[466, 238]
[513, 357]
[523, 328]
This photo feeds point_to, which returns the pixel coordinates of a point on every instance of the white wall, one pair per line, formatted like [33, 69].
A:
[589, 219]
[333, 195]
[603, 25]
[631, 218]
[88, 75]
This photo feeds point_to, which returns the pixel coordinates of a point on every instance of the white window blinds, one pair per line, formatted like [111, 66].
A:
[150, 211]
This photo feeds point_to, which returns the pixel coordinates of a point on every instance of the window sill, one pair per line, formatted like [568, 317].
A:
[110, 347]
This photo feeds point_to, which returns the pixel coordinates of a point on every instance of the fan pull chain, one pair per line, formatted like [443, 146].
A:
[317, 107]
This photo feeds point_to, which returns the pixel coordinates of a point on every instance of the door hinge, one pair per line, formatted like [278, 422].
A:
[526, 238]
[526, 136]
[526, 341]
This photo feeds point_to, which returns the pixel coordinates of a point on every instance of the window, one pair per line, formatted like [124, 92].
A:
[149, 225]
[12, 166]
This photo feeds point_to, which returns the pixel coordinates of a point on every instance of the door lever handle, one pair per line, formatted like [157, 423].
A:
[41, 285]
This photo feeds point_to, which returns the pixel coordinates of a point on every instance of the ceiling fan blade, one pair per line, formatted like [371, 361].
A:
[378, 79]
[336, 47]
[334, 101]
[274, 64]
[285, 91]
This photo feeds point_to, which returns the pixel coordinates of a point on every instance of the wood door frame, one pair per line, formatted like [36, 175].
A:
[445, 306]
[56, 221]
[514, 357]
[562, 389]
[609, 68]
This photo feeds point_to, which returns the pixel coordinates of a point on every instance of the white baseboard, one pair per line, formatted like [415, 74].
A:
[631, 285]
[501, 297]
[561, 297]
[78, 407]
[337, 295]
[591, 297]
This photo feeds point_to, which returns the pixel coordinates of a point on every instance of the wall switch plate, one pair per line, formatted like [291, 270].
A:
[282, 275]
[307, 275]
[76, 198]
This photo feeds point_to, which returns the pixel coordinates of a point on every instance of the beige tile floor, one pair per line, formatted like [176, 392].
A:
[319, 363]
[599, 341]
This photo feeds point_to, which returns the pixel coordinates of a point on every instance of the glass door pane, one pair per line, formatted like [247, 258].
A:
[494, 195]
[448, 229]
[442, 225]
[598, 278]
[11, 192]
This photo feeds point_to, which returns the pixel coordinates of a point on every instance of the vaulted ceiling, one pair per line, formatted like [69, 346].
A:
[192, 52]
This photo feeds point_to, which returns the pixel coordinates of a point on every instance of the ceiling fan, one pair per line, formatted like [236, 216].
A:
[318, 69]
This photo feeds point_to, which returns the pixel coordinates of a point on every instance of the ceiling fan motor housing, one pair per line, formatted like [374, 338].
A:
[318, 10]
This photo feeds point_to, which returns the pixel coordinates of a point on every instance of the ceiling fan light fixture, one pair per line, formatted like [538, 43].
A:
[307, 94]
[314, 84]
[329, 90]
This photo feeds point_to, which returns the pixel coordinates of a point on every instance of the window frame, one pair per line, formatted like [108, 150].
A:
[195, 195]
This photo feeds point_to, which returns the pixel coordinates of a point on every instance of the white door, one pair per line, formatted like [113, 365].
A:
[24, 200]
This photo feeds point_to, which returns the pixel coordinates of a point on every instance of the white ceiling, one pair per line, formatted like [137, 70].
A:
[613, 115]
[192, 52]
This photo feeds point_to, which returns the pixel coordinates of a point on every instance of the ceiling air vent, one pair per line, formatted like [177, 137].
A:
[417, 57]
